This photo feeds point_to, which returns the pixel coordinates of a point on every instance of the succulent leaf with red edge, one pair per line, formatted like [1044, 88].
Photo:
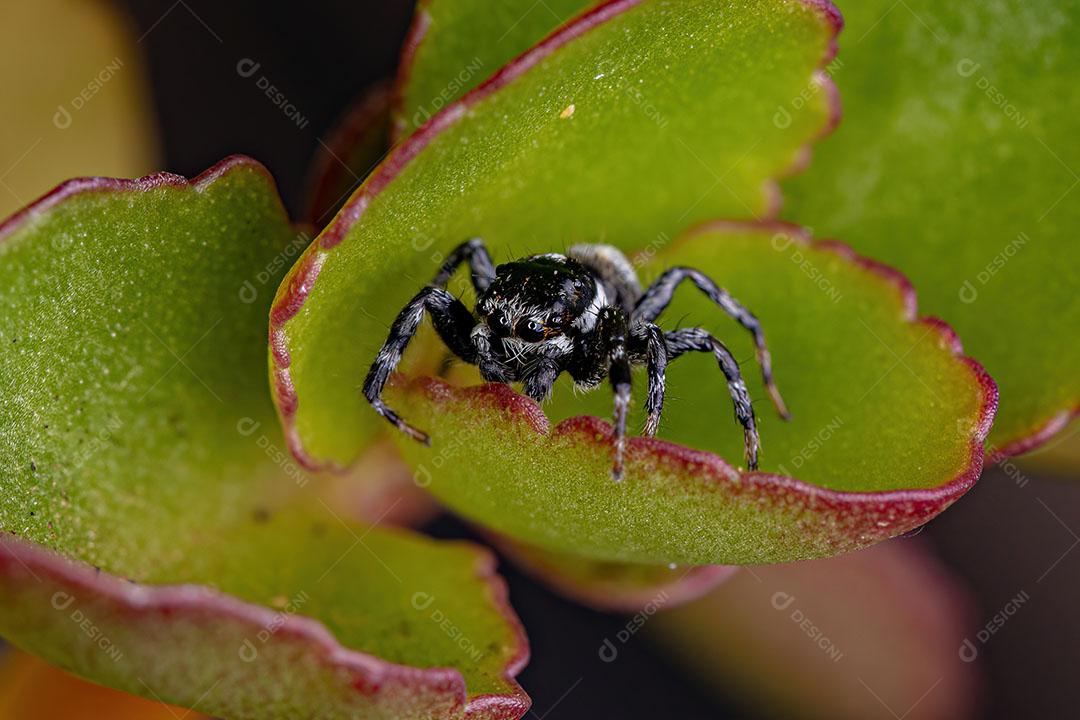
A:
[911, 449]
[966, 113]
[149, 495]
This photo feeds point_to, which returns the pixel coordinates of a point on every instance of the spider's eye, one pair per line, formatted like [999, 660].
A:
[498, 324]
[530, 331]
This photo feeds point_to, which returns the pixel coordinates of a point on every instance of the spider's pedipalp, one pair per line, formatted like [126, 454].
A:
[696, 339]
[540, 378]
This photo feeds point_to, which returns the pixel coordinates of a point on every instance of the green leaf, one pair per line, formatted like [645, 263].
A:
[957, 162]
[137, 436]
[453, 46]
[887, 428]
[551, 151]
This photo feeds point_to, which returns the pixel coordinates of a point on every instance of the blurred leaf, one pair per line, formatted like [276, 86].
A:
[957, 162]
[73, 98]
[138, 436]
[614, 586]
[359, 141]
[1059, 457]
[33, 690]
[874, 635]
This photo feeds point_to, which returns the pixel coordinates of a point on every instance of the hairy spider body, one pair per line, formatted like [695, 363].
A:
[583, 313]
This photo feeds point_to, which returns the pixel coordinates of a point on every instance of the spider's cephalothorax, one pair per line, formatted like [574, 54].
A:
[583, 313]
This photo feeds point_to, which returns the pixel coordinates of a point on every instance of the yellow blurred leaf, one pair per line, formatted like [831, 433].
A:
[73, 98]
[31, 689]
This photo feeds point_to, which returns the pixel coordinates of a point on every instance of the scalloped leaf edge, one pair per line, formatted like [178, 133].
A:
[297, 285]
[869, 516]
[373, 672]
[22, 562]
[1035, 439]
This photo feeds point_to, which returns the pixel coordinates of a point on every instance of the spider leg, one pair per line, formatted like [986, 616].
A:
[656, 359]
[687, 339]
[452, 320]
[614, 334]
[475, 253]
[658, 296]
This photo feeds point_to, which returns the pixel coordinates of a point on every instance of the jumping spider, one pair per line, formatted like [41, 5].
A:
[584, 313]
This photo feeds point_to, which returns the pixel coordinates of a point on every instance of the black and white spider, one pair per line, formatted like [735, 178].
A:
[584, 313]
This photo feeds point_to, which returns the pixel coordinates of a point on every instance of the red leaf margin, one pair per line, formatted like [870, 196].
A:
[327, 169]
[24, 564]
[297, 285]
[1038, 436]
[20, 558]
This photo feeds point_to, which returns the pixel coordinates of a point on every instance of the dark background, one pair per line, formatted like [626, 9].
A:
[322, 54]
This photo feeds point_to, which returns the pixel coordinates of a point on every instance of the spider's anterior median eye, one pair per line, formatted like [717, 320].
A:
[529, 331]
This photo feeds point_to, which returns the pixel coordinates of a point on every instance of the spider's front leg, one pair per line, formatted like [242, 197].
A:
[696, 339]
[452, 320]
[649, 340]
[474, 252]
[613, 328]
